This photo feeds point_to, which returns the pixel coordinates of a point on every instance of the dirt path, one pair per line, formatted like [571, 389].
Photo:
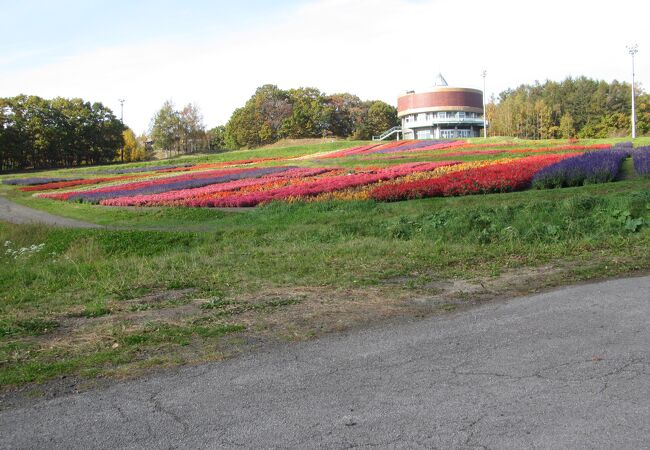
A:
[14, 213]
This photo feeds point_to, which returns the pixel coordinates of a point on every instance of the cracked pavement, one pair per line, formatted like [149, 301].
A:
[563, 369]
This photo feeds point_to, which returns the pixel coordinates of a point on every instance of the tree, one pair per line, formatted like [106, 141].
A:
[344, 112]
[566, 126]
[179, 131]
[380, 117]
[242, 129]
[217, 138]
[308, 116]
[191, 129]
[643, 114]
[537, 110]
[543, 119]
[271, 114]
[260, 120]
[165, 128]
[41, 133]
[133, 149]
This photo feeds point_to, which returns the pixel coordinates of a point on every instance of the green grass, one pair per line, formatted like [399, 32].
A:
[333, 243]
[99, 276]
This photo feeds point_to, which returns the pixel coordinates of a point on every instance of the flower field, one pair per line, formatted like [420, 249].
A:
[397, 170]
[641, 158]
[591, 167]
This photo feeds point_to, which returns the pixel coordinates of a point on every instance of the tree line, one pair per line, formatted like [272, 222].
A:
[272, 114]
[40, 133]
[269, 115]
[576, 107]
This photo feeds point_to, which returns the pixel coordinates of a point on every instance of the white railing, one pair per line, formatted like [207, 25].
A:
[387, 133]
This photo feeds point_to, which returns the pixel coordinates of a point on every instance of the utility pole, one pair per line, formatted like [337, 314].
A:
[484, 74]
[633, 50]
[122, 120]
[121, 110]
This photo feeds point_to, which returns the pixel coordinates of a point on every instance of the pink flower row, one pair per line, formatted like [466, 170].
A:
[324, 185]
[183, 195]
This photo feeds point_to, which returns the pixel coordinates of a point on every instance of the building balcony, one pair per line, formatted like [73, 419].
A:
[453, 121]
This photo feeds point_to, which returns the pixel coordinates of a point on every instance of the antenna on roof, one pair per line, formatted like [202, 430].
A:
[440, 81]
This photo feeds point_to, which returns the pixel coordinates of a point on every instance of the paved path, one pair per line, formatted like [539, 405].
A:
[566, 369]
[14, 213]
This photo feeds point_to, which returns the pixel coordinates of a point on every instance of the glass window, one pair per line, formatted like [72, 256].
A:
[424, 134]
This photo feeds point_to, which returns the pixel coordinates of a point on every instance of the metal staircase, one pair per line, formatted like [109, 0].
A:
[388, 133]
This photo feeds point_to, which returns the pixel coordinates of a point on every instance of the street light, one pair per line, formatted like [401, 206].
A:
[484, 74]
[633, 50]
[122, 120]
[121, 110]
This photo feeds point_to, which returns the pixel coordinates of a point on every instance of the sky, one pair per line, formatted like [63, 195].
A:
[216, 53]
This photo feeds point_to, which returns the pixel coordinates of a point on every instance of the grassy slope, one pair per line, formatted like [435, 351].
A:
[330, 246]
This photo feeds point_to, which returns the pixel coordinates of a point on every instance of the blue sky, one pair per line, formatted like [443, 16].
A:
[215, 54]
[43, 31]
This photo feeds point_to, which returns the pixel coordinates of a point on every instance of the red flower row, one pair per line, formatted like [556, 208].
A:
[182, 196]
[152, 182]
[324, 185]
[503, 151]
[512, 176]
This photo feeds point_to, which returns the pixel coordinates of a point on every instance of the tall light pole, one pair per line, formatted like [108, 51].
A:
[484, 74]
[121, 110]
[122, 120]
[633, 50]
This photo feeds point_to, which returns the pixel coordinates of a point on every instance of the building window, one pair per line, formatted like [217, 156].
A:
[424, 134]
[455, 134]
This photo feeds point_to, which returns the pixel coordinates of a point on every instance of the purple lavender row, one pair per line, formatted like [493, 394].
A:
[157, 187]
[591, 167]
[641, 158]
[413, 145]
[35, 181]
[624, 146]
[142, 169]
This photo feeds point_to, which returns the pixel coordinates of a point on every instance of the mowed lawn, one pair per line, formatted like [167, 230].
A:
[164, 286]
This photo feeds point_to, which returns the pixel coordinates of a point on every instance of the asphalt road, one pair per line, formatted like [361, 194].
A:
[565, 369]
[14, 213]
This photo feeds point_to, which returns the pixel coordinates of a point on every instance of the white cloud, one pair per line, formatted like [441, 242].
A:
[375, 49]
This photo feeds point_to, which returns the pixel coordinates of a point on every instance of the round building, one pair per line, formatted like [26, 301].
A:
[443, 113]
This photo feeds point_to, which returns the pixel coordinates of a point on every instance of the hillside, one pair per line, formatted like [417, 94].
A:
[164, 285]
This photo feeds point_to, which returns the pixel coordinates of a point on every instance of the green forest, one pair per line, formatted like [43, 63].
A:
[40, 133]
[576, 107]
